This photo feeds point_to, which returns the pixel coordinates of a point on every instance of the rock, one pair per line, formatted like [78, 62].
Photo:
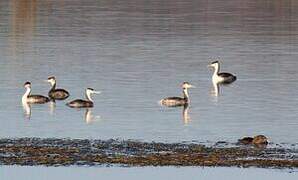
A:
[260, 139]
[245, 140]
[256, 140]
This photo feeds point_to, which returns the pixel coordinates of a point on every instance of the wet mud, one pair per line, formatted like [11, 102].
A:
[65, 152]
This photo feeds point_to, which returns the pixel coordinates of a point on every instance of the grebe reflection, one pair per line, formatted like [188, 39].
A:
[52, 105]
[89, 117]
[215, 90]
[185, 115]
[27, 110]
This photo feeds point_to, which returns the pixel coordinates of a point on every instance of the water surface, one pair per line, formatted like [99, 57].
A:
[44, 173]
[136, 52]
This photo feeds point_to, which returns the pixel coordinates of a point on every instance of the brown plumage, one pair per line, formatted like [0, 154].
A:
[80, 103]
[56, 94]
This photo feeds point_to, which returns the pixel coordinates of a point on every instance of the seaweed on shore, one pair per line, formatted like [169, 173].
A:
[64, 152]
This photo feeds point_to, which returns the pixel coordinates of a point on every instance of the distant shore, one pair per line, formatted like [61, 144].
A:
[65, 152]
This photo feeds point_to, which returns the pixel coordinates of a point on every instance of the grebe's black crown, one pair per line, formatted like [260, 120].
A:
[27, 83]
[90, 89]
[187, 85]
[51, 77]
[215, 62]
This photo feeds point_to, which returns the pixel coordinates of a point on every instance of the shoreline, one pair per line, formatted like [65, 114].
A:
[66, 152]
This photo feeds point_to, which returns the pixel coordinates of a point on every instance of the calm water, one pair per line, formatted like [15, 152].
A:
[136, 52]
[44, 173]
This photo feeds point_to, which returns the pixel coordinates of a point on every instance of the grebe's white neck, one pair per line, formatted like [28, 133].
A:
[52, 82]
[27, 93]
[216, 70]
[88, 95]
[185, 94]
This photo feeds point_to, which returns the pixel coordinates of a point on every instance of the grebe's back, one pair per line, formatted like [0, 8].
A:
[79, 103]
[173, 101]
[227, 77]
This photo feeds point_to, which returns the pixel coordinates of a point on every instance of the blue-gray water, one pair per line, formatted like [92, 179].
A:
[136, 52]
[160, 173]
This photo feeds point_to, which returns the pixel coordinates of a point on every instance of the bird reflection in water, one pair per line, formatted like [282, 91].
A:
[215, 90]
[52, 106]
[27, 110]
[89, 117]
[185, 114]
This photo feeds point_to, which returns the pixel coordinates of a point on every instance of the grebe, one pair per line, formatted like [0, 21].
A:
[178, 101]
[223, 78]
[80, 103]
[34, 99]
[56, 94]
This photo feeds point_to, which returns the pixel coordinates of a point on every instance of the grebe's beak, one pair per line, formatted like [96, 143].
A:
[96, 92]
[192, 86]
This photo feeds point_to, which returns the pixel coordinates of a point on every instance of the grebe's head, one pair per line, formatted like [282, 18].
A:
[51, 80]
[186, 85]
[214, 64]
[91, 91]
[27, 84]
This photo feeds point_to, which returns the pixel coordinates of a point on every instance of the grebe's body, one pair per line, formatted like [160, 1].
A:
[178, 101]
[33, 99]
[221, 78]
[81, 103]
[56, 94]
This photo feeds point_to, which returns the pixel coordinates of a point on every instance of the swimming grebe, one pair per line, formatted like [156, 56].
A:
[34, 99]
[56, 94]
[223, 78]
[178, 101]
[80, 103]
